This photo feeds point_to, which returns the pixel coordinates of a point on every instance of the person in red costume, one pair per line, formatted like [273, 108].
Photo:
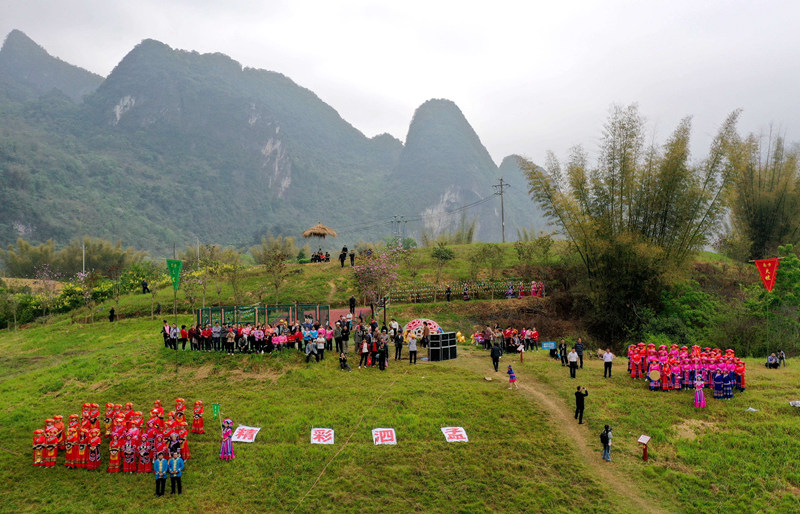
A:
[38, 447]
[94, 449]
[108, 418]
[158, 408]
[51, 443]
[94, 416]
[170, 423]
[145, 464]
[127, 413]
[150, 437]
[183, 437]
[180, 410]
[740, 370]
[74, 424]
[72, 444]
[137, 419]
[154, 419]
[128, 455]
[134, 433]
[161, 443]
[197, 421]
[118, 427]
[83, 448]
[114, 454]
[62, 434]
[85, 423]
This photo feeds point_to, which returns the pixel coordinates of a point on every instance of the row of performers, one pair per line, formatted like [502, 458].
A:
[131, 445]
[536, 289]
[682, 368]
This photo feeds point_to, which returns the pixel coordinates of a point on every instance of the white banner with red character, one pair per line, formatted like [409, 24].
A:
[245, 434]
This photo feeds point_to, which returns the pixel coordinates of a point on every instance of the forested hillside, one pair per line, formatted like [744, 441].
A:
[175, 146]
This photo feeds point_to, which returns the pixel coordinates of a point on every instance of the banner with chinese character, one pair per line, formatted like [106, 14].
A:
[322, 436]
[215, 410]
[455, 434]
[245, 434]
[174, 267]
[384, 436]
[768, 268]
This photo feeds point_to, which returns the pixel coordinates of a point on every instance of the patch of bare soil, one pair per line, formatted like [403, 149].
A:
[262, 375]
[691, 428]
[203, 371]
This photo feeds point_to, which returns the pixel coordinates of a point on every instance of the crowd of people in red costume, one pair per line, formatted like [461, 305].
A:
[687, 368]
[133, 444]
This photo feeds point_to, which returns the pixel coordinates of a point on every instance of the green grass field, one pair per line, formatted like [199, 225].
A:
[525, 452]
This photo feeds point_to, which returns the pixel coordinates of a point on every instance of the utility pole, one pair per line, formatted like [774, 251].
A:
[500, 189]
[83, 248]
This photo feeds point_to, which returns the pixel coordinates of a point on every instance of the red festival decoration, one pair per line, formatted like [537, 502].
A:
[768, 269]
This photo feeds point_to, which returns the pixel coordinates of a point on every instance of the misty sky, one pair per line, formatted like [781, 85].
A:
[529, 76]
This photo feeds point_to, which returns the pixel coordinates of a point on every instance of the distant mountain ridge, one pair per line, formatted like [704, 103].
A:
[29, 71]
[175, 146]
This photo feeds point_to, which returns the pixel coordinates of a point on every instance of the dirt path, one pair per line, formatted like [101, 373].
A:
[332, 285]
[577, 435]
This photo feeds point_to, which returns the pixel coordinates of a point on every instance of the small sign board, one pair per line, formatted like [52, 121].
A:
[455, 434]
[322, 436]
[384, 436]
[548, 345]
[245, 434]
[644, 439]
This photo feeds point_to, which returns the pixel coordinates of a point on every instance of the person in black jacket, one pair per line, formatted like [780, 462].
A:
[580, 394]
[353, 305]
[342, 257]
[496, 353]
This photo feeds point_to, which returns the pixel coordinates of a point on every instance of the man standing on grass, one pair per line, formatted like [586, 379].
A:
[175, 466]
[605, 438]
[160, 469]
[337, 336]
[608, 357]
[426, 332]
[579, 347]
[353, 305]
[495, 353]
[580, 394]
[572, 358]
[216, 335]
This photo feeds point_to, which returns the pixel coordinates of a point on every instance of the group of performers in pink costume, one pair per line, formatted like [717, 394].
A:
[536, 289]
[683, 368]
[133, 443]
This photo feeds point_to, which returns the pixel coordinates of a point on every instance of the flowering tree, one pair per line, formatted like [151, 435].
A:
[47, 283]
[85, 283]
[377, 273]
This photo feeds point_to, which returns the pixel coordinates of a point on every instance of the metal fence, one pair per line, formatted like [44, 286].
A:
[259, 314]
[426, 292]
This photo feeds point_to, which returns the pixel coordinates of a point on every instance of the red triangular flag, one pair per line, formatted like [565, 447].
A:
[768, 269]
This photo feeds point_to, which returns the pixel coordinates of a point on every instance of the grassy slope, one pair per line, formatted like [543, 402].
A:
[511, 463]
[516, 460]
[721, 458]
[307, 283]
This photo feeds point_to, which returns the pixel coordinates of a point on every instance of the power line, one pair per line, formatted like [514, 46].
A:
[390, 221]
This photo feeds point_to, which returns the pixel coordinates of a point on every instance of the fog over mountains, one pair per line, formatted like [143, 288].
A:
[175, 146]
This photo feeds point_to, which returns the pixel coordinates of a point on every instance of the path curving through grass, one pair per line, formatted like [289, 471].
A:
[577, 436]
